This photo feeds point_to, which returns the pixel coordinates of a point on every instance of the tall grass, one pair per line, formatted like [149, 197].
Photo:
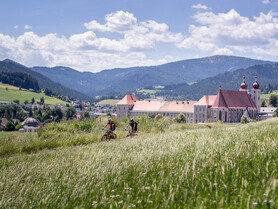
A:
[212, 167]
[72, 133]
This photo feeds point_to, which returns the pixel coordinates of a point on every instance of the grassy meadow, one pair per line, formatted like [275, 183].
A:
[168, 165]
[267, 96]
[109, 102]
[10, 93]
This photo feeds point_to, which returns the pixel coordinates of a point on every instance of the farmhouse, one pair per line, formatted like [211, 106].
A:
[29, 125]
[228, 106]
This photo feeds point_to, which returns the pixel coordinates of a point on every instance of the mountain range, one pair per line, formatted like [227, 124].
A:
[208, 73]
[267, 74]
[44, 82]
[126, 79]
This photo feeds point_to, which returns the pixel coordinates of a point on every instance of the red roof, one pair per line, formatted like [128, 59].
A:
[5, 120]
[207, 100]
[233, 99]
[129, 99]
[256, 85]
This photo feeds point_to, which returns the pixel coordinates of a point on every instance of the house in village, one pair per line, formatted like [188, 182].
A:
[29, 125]
[228, 106]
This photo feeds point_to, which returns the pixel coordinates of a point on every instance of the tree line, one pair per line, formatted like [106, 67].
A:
[21, 80]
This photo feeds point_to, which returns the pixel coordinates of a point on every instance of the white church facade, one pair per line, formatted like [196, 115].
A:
[228, 106]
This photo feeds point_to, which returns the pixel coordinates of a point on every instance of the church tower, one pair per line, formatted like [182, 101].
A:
[256, 94]
[243, 86]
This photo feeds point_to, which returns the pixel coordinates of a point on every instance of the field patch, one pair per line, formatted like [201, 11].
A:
[266, 96]
[10, 93]
[112, 102]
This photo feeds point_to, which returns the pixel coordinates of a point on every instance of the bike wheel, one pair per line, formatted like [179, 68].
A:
[114, 136]
[104, 138]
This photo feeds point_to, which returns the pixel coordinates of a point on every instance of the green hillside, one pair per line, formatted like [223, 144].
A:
[267, 74]
[212, 166]
[10, 93]
[266, 96]
[44, 82]
[109, 102]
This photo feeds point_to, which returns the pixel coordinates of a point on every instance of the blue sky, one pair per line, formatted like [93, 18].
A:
[92, 35]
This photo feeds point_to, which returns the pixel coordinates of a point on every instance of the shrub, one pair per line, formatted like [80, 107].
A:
[180, 118]
[158, 117]
[151, 115]
[17, 127]
[9, 126]
[244, 120]
[276, 113]
[219, 122]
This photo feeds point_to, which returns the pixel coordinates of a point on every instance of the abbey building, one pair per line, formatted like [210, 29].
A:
[228, 106]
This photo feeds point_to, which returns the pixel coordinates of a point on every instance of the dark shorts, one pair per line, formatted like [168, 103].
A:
[111, 129]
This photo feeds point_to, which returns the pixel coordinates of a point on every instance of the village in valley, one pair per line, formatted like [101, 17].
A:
[227, 106]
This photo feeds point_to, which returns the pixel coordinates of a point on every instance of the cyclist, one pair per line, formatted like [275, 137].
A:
[133, 124]
[112, 126]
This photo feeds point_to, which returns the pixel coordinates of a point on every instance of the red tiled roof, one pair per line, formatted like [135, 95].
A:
[164, 106]
[207, 100]
[5, 120]
[233, 99]
[129, 99]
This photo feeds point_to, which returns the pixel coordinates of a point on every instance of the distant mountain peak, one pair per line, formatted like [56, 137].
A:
[13, 62]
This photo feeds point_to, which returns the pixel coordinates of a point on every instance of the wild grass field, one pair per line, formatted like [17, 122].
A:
[10, 93]
[168, 165]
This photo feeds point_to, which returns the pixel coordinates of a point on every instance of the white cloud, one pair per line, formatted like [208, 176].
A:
[224, 33]
[223, 51]
[89, 51]
[200, 6]
[16, 27]
[125, 23]
[266, 1]
[27, 27]
[228, 33]
[115, 22]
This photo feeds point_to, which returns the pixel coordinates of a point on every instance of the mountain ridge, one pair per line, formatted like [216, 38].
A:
[267, 74]
[44, 82]
[125, 79]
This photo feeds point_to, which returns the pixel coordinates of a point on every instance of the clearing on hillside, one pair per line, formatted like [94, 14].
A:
[10, 93]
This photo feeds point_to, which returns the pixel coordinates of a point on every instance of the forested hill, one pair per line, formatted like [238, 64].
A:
[267, 74]
[44, 82]
[18, 79]
[125, 79]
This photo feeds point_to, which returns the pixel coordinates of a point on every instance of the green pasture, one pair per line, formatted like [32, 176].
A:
[148, 91]
[266, 96]
[10, 93]
[112, 102]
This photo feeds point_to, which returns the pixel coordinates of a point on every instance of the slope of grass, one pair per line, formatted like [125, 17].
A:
[212, 167]
[266, 96]
[10, 93]
[109, 102]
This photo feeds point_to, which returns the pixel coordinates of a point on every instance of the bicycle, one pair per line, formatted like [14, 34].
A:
[130, 133]
[108, 135]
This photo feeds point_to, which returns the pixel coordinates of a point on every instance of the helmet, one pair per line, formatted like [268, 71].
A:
[109, 119]
[131, 120]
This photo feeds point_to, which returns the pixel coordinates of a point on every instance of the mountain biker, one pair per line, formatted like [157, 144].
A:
[112, 126]
[133, 124]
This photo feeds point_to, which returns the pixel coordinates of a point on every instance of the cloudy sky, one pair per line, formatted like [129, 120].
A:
[92, 35]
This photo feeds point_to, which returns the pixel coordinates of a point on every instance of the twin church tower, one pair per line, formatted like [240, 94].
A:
[255, 92]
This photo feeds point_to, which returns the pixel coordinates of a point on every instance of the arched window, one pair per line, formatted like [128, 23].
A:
[220, 115]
